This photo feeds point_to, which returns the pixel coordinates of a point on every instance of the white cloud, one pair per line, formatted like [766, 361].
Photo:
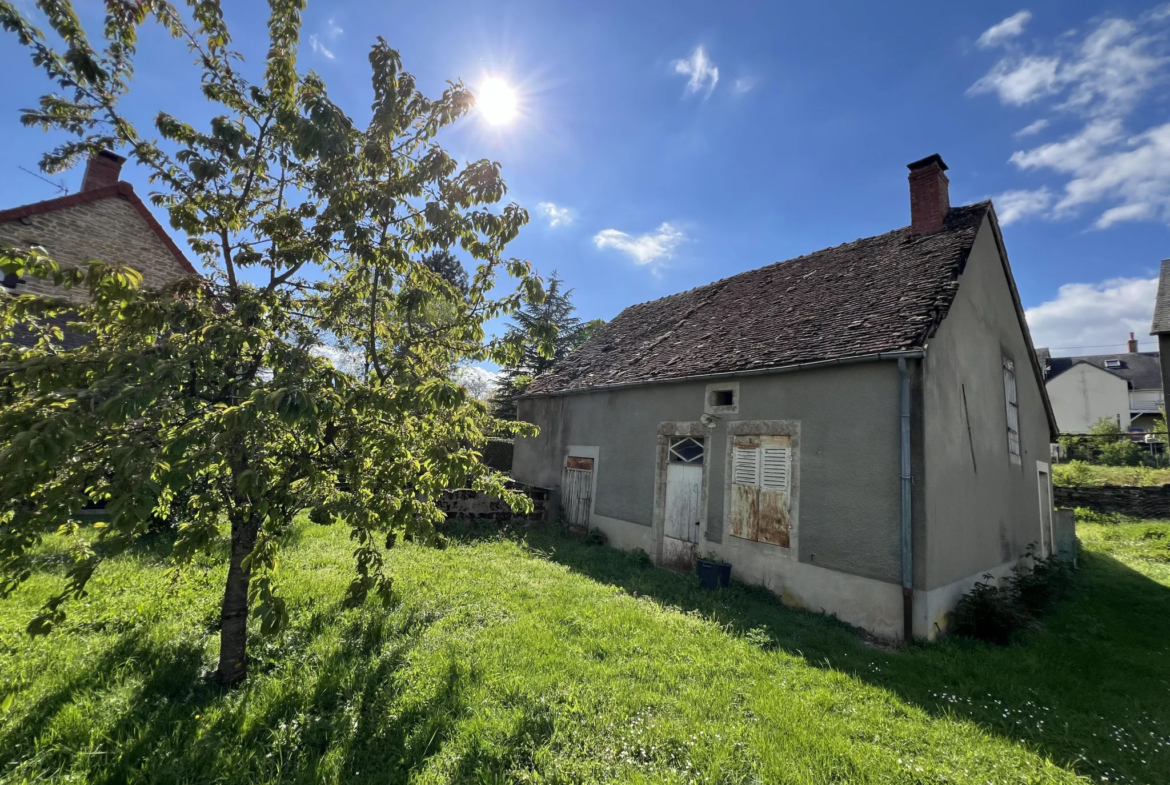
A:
[321, 43]
[345, 360]
[1006, 30]
[1032, 129]
[556, 216]
[700, 70]
[479, 382]
[1101, 75]
[743, 85]
[648, 248]
[1105, 75]
[1011, 206]
[1092, 314]
[1018, 82]
[319, 47]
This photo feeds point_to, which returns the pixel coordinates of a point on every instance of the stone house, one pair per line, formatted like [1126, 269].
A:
[864, 430]
[104, 220]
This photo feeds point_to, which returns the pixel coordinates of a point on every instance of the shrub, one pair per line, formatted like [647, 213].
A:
[1039, 587]
[996, 613]
[642, 559]
[1121, 453]
[1073, 473]
[596, 537]
[988, 613]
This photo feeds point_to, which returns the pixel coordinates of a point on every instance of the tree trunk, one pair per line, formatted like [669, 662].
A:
[233, 615]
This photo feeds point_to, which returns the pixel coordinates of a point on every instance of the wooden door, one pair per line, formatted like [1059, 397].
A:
[578, 492]
[683, 516]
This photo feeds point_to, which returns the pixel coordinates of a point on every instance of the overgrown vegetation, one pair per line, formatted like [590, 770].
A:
[529, 657]
[996, 613]
[1107, 444]
[1081, 473]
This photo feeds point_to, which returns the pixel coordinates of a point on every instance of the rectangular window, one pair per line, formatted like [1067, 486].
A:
[1013, 409]
[723, 398]
[761, 483]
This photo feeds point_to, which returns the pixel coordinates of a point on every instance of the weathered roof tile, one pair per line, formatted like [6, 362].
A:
[877, 294]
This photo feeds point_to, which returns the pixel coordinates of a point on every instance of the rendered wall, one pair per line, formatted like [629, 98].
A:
[849, 496]
[1084, 394]
[981, 509]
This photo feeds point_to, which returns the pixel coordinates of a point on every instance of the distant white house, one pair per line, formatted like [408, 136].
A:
[1125, 388]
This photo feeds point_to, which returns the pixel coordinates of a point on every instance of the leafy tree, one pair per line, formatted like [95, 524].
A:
[534, 325]
[216, 391]
[447, 266]
[1111, 445]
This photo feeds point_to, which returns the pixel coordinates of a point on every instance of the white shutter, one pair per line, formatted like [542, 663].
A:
[746, 467]
[776, 467]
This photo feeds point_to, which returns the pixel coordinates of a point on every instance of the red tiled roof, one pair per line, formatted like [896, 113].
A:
[122, 189]
[879, 294]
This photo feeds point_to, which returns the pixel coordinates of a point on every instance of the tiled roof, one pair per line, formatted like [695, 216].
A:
[1142, 370]
[878, 294]
[1162, 303]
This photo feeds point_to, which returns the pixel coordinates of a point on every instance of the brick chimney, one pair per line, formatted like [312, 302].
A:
[103, 169]
[1131, 346]
[930, 199]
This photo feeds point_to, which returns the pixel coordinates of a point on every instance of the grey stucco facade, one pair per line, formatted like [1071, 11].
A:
[975, 507]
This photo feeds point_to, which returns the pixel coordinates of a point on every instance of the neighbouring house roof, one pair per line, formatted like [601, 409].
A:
[1142, 370]
[118, 189]
[1162, 302]
[878, 294]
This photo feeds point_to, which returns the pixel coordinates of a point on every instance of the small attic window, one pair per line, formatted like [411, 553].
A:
[1113, 363]
[723, 397]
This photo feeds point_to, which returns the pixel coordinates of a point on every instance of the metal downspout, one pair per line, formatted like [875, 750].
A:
[907, 554]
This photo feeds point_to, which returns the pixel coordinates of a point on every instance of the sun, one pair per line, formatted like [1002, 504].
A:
[496, 100]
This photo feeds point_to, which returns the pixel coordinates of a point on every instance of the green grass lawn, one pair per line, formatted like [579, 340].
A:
[532, 658]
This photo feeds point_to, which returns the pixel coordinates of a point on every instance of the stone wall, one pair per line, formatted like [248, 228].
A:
[465, 504]
[108, 229]
[1140, 502]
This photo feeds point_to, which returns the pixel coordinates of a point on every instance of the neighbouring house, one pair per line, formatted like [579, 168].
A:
[863, 430]
[105, 220]
[1125, 388]
[1161, 325]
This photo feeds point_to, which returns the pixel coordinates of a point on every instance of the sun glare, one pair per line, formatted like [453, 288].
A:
[496, 100]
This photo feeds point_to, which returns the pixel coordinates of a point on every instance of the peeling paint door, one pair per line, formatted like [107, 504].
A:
[578, 494]
[761, 485]
[684, 502]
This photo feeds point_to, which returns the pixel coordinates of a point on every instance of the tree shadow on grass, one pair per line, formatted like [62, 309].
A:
[349, 710]
[1087, 687]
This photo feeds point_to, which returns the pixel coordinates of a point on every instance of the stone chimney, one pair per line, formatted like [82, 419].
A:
[930, 199]
[1131, 347]
[103, 169]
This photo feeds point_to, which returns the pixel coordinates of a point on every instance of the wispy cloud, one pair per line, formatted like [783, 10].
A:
[742, 85]
[1011, 206]
[321, 43]
[1089, 314]
[555, 215]
[1010, 28]
[699, 69]
[1031, 129]
[1101, 76]
[650, 248]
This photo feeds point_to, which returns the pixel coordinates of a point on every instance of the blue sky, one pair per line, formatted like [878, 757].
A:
[663, 145]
